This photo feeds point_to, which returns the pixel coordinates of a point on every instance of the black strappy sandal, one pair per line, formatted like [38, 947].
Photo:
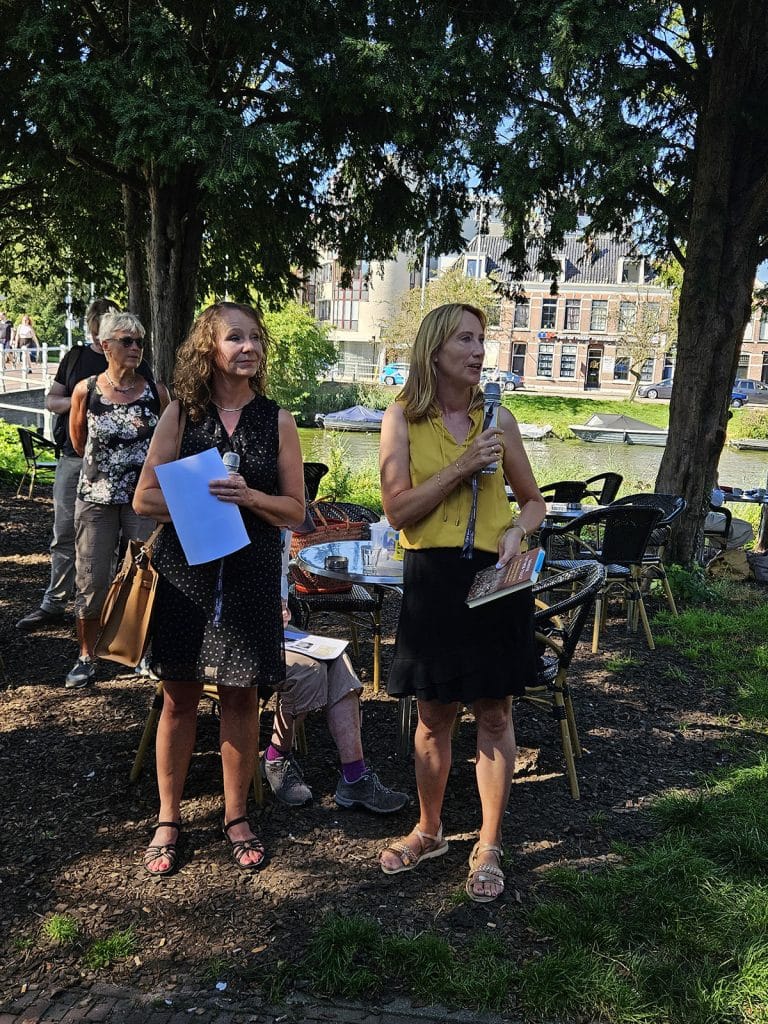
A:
[242, 846]
[167, 850]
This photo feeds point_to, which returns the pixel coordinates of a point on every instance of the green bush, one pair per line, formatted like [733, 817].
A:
[11, 456]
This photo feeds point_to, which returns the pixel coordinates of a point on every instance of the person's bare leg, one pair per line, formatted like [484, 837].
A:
[495, 766]
[239, 737]
[174, 745]
[283, 728]
[432, 750]
[344, 726]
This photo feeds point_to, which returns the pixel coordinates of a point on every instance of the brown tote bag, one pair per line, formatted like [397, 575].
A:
[127, 610]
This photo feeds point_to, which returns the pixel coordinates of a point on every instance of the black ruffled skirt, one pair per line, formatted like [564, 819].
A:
[448, 652]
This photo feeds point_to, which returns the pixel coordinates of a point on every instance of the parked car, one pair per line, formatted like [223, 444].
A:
[663, 389]
[756, 390]
[394, 373]
[509, 381]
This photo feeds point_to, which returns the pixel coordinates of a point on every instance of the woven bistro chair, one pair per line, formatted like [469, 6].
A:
[559, 625]
[568, 491]
[40, 454]
[603, 487]
[617, 537]
[653, 559]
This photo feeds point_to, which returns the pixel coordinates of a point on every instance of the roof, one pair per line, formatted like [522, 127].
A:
[598, 266]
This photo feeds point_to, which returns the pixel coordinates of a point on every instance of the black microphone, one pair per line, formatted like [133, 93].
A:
[492, 401]
[231, 461]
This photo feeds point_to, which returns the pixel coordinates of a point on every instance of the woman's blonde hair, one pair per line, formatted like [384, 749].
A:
[419, 393]
[196, 358]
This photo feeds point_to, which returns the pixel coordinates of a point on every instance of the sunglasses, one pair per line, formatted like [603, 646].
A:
[127, 342]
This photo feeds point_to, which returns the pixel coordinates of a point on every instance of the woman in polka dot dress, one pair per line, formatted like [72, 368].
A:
[230, 635]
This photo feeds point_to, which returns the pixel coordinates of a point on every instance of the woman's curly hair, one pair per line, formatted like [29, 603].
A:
[195, 359]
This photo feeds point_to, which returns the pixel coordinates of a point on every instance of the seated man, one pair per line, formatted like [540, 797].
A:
[309, 686]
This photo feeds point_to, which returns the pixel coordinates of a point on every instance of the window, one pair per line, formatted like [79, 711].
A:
[548, 314]
[764, 324]
[324, 309]
[621, 368]
[646, 374]
[546, 356]
[326, 272]
[598, 318]
[743, 370]
[627, 315]
[518, 358]
[764, 374]
[748, 331]
[493, 313]
[475, 266]
[631, 271]
[572, 314]
[652, 315]
[568, 361]
[522, 313]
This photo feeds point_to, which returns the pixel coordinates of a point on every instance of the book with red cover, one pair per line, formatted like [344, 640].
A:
[521, 571]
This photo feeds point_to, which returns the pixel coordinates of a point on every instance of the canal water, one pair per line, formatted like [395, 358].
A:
[560, 460]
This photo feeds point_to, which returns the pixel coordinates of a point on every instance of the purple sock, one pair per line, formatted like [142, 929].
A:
[353, 771]
[272, 753]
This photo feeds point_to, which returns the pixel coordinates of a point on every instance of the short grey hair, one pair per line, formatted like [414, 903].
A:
[112, 322]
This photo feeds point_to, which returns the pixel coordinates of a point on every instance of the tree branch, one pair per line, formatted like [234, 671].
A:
[81, 158]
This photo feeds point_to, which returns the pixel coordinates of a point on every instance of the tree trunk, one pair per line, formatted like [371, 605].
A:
[721, 261]
[176, 236]
[135, 226]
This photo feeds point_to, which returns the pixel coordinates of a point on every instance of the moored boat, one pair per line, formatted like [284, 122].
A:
[750, 444]
[533, 432]
[359, 418]
[611, 428]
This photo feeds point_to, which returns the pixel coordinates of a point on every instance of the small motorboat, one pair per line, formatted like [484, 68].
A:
[533, 432]
[359, 418]
[611, 428]
[750, 444]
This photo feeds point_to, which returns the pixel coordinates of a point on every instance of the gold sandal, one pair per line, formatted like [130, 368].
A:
[409, 859]
[485, 871]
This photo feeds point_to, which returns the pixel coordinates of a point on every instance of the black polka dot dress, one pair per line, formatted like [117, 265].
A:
[243, 646]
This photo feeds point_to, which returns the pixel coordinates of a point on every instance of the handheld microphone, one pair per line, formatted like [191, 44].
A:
[231, 461]
[492, 401]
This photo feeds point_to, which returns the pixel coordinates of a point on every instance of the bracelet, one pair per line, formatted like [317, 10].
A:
[440, 484]
[522, 529]
[458, 468]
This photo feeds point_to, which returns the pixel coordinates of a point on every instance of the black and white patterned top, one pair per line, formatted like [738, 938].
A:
[116, 446]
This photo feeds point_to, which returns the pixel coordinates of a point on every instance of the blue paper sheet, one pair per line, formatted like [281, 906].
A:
[207, 528]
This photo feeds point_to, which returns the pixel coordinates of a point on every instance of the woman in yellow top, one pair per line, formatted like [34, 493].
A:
[432, 445]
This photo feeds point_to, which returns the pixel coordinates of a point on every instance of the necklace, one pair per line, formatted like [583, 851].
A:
[122, 391]
[223, 408]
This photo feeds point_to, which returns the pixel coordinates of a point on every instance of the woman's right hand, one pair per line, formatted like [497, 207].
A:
[487, 447]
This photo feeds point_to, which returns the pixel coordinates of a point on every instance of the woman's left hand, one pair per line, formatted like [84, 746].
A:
[509, 545]
[232, 489]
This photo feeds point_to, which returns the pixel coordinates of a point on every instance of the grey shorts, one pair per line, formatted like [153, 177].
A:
[311, 685]
[98, 529]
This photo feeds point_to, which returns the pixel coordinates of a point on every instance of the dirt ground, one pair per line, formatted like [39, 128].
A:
[74, 829]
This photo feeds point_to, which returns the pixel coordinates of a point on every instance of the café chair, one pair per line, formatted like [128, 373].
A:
[568, 491]
[616, 536]
[559, 625]
[313, 474]
[39, 454]
[604, 487]
[653, 559]
[715, 537]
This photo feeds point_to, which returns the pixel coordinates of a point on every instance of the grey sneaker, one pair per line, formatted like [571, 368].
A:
[81, 674]
[286, 781]
[368, 792]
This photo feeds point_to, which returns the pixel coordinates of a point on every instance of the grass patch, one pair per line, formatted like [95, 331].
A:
[351, 956]
[61, 930]
[621, 662]
[105, 952]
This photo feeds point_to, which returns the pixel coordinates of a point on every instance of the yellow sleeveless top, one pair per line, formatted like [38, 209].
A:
[433, 448]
